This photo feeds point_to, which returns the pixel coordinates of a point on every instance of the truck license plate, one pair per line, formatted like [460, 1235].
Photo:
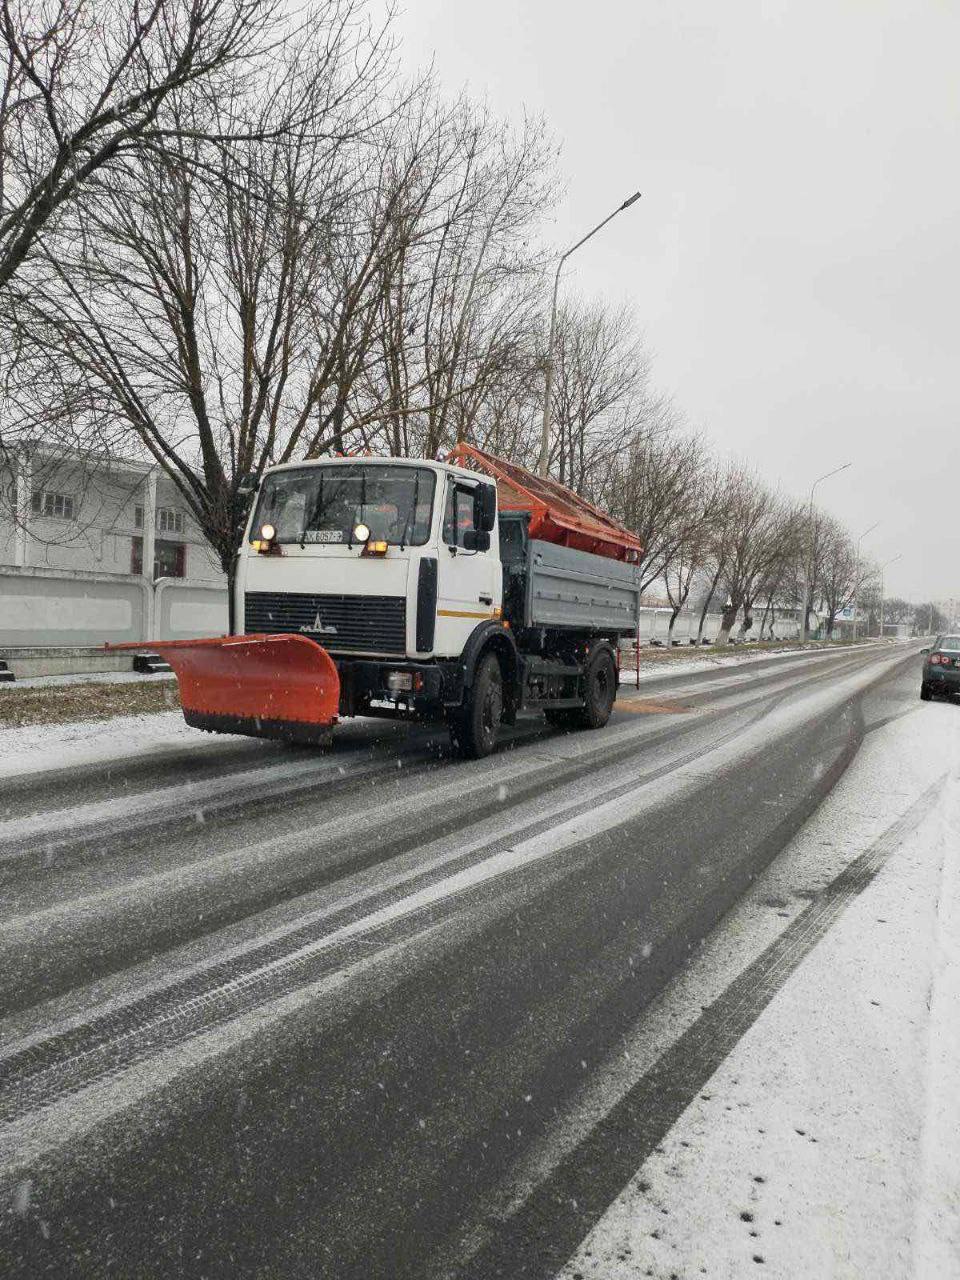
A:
[324, 535]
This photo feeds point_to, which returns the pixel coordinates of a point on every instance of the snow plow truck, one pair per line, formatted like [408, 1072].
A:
[462, 592]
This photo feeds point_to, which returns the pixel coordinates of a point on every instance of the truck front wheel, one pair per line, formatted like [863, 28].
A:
[475, 725]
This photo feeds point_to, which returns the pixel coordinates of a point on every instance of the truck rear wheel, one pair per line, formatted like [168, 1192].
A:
[600, 690]
[475, 725]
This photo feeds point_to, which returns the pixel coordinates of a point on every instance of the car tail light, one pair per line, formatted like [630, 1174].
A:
[934, 659]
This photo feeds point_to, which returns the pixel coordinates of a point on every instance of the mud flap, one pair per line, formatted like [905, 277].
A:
[265, 686]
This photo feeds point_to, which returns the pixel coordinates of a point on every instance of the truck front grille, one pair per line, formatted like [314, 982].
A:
[368, 624]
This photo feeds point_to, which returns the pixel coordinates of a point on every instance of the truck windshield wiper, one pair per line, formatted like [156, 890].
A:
[312, 515]
[412, 512]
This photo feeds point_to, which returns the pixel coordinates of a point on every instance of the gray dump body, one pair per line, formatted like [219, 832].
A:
[567, 588]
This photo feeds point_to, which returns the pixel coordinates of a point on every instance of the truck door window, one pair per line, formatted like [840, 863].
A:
[459, 514]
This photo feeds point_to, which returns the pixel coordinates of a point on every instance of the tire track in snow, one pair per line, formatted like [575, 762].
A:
[113, 1041]
[130, 920]
[178, 803]
[104, 1045]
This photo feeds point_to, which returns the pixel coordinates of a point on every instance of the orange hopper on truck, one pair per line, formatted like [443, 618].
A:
[463, 591]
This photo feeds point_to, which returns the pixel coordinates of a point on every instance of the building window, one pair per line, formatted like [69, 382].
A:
[56, 506]
[138, 517]
[169, 520]
[169, 559]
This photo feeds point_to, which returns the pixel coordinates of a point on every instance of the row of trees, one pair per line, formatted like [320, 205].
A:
[231, 235]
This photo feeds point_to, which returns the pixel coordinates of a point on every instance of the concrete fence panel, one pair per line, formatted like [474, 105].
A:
[185, 609]
[53, 607]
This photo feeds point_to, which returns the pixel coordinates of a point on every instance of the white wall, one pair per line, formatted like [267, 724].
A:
[52, 607]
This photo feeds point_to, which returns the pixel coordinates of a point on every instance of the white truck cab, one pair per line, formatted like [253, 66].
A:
[416, 586]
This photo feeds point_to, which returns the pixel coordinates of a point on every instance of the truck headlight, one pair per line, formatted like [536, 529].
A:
[360, 533]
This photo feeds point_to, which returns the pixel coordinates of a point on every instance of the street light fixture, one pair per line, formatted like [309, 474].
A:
[805, 624]
[548, 392]
[856, 581]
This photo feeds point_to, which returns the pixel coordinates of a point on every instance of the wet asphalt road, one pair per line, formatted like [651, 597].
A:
[272, 1012]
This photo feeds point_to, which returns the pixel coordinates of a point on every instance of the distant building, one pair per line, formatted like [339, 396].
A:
[99, 517]
[94, 551]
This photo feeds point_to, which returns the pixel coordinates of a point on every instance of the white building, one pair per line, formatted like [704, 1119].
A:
[99, 517]
[100, 550]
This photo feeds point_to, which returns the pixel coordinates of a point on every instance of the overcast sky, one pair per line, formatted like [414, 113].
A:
[795, 259]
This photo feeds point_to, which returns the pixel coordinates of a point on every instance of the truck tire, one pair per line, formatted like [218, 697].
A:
[600, 690]
[475, 725]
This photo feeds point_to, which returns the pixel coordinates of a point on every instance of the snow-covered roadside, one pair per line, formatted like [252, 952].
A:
[38, 748]
[666, 668]
[826, 1143]
[90, 677]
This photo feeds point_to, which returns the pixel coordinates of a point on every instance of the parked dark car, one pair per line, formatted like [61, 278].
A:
[941, 668]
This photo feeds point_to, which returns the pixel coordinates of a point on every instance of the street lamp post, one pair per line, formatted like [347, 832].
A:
[548, 392]
[892, 560]
[856, 581]
[805, 624]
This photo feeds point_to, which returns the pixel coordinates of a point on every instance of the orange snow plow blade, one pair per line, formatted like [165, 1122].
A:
[267, 686]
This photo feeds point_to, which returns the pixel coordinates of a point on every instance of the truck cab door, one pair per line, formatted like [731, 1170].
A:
[470, 582]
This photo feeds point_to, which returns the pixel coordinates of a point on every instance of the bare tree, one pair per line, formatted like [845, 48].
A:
[751, 541]
[601, 395]
[929, 619]
[88, 84]
[199, 316]
[656, 486]
[838, 573]
[697, 541]
[897, 610]
[458, 301]
[348, 282]
[779, 575]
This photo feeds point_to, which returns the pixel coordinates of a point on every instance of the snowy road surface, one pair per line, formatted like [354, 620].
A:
[377, 1012]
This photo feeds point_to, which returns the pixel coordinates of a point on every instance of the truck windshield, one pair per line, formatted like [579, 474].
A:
[312, 505]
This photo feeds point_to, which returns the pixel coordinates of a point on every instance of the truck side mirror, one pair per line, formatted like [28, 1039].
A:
[476, 540]
[247, 484]
[487, 514]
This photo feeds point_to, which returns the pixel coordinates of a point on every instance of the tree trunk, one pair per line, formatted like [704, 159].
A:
[231, 602]
[763, 621]
[673, 618]
[727, 620]
[707, 603]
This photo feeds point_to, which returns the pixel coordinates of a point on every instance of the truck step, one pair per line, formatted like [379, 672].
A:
[150, 664]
